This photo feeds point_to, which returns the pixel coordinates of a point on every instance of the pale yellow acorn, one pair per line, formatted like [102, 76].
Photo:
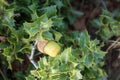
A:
[50, 48]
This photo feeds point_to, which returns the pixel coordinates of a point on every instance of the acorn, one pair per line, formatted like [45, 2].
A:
[50, 48]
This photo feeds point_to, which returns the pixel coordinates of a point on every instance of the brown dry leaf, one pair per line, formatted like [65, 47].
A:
[79, 24]
[2, 39]
[116, 64]
[94, 13]
[16, 65]
[25, 64]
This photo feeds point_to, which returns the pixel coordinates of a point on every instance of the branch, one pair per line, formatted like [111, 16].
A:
[32, 55]
[2, 75]
[104, 4]
[113, 44]
[33, 49]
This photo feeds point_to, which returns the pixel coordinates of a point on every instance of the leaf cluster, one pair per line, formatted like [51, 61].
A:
[108, 24]
[23, 22]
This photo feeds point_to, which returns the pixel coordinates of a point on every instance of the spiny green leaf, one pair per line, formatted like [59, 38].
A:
[42, 18]
[8, 19]
[50, 10]
[76, 75]
[57, 21]
[31, 28]
[106, 12]
[59, 3]
[32, 7]
[89, 60]
[47, 24]
[43, 63]
[34, 12]
[66, 55]
[8, 54]
[47, 35]
[7, 51]
[58, 35]
[96, 23]
[30, 78]
[4, 45]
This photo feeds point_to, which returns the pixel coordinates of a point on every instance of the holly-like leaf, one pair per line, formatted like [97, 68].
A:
[57, 21]
[57, 34]
[89, 60]
[50, 10]
[42, 18]
[8, 54]
[47, 35]
[96, 23]
[66, 55]
[8, 19]
[76, 75]
[59, 3]
[31, 28]
[30, 78]
[48, 24]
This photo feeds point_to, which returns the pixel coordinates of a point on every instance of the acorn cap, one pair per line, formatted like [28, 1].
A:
[41, 45]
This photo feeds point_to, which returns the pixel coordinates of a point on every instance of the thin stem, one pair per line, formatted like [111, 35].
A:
[112, 41]
[33, 49]
[69, 4]
[104, 4]
[32, 55]
[33, 62]
[113, 44]
[2, 75]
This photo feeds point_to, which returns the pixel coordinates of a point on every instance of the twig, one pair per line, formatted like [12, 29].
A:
[2, 75]
[69, 4]
[32, 55]
[104, 4]
[33, 49]
[113, 44]
[112, 41]
[33, 62]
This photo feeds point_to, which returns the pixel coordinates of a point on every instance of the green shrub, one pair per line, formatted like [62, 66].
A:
[24, 22]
